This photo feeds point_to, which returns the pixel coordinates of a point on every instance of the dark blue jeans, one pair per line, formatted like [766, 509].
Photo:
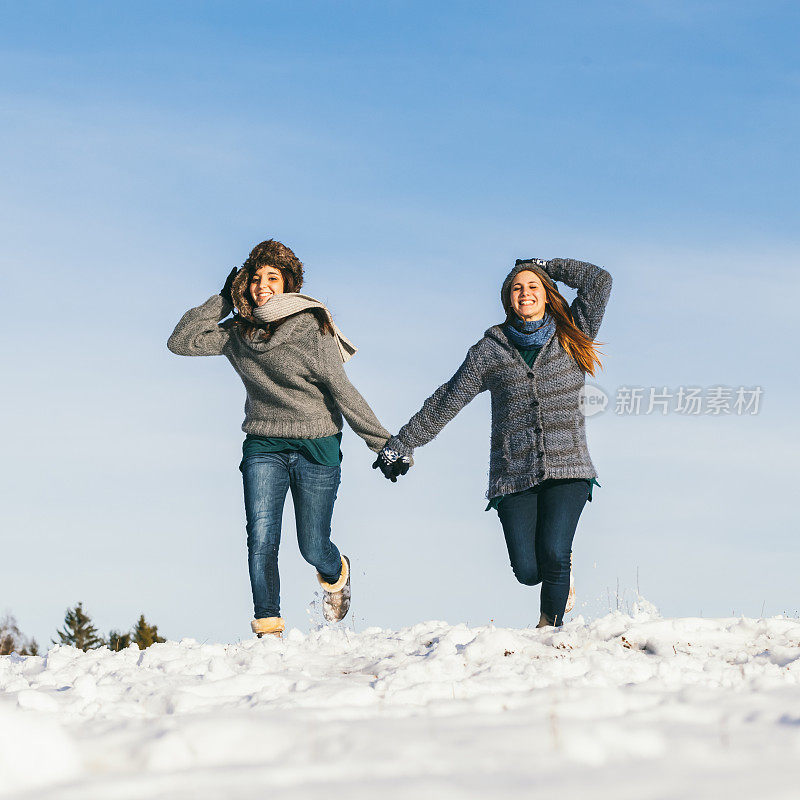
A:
[539, 525]
[267, 477]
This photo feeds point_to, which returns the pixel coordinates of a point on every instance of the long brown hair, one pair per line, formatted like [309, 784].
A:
[578, 346]
[269, 253]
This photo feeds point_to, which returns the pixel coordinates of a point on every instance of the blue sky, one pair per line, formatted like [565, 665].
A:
[408, 152]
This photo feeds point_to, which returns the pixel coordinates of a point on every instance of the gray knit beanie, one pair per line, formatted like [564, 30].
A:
[536, 265]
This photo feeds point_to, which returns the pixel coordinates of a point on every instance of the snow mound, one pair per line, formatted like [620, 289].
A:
[624, 706]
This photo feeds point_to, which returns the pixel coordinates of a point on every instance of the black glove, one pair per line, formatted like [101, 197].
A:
[392, 464]
[226, 289]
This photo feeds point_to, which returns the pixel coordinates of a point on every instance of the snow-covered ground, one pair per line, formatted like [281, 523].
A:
[622, 707]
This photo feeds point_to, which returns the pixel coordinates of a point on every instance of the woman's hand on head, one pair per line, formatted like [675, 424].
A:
[539, 262]
[227, 289]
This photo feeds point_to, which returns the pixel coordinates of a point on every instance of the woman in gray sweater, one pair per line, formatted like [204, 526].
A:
[289, 355]
[534, 364]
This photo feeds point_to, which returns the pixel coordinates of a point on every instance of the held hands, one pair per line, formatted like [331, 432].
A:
[392, 464]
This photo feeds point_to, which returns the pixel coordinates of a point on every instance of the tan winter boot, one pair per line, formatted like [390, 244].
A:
[571, 595]
[268, 626]
[336, 602]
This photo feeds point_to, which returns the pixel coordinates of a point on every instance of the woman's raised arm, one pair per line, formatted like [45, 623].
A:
[198, 333]
[594, 288]
[355, 409]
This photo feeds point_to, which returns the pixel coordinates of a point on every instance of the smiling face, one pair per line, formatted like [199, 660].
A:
[527, 295]
[266, 282]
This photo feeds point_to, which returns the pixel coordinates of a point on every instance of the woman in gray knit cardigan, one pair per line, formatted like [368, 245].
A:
[289, 355]
[534, 364]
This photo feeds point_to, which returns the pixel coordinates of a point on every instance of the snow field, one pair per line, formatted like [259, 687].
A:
[624, 706]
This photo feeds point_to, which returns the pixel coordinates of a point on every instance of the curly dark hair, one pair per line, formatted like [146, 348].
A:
[269, 253]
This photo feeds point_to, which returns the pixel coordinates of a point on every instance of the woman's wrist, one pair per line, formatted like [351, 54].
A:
[402, 449]
[554, 267]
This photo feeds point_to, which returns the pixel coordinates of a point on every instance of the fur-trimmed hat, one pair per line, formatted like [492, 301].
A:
[266, 254]
[536, 265]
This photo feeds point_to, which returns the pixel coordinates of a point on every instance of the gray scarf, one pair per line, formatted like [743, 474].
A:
[280, 306]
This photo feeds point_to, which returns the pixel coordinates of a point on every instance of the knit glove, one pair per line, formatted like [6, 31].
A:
[225, 292]
[392, 464]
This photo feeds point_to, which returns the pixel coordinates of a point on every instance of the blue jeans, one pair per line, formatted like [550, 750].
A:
[267, 477]
[539, 525]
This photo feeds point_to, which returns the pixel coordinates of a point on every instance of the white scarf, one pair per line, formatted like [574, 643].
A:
[280, 306]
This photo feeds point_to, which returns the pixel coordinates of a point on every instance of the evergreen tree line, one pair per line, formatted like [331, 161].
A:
[78, 631]
[12, 639]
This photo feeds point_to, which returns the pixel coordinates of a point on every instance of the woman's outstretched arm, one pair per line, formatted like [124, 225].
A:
[355, 409]
[594, 288]
[198, 333]
[442, 405]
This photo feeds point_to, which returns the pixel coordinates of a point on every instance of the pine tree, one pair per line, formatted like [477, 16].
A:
[118, 641]
[9, 635]
[78, 630]
[8, 644]
[13, 641]
[144, 635]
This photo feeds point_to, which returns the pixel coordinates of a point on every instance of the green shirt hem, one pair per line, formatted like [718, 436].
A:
[325, 451]
[495, 501]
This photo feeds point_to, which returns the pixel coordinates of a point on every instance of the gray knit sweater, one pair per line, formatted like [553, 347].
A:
[537, 427]
[295, 380]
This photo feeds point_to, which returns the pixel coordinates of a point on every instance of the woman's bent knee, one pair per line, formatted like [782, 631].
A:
[317, 550]
[527, 577]
[554, 562]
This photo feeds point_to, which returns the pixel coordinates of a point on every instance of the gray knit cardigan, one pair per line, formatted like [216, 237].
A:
[295, 380]
[537, 426]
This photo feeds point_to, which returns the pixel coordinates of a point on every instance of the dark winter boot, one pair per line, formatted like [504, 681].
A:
[336, 602]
